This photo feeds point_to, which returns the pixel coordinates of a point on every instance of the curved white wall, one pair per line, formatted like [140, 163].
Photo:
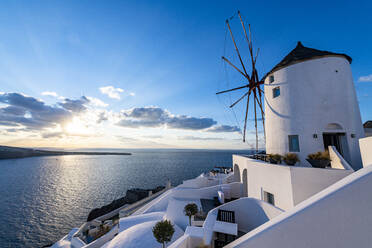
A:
[313, 94]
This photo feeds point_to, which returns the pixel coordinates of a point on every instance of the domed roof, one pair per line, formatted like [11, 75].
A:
[140, 236]
[301, 53]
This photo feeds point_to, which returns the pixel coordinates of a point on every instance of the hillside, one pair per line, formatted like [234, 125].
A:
[7, 152]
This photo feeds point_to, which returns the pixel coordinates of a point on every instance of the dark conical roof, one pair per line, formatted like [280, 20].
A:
[367, 124]
[301, 53]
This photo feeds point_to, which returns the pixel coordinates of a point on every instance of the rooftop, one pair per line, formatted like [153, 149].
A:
[367, 124]
[302, 53]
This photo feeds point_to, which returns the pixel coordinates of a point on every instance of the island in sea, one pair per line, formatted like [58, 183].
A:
[7, 152]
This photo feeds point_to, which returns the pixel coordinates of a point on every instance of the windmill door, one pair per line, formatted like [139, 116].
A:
[333, 139]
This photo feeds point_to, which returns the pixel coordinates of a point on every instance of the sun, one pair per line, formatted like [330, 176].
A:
[77, 127]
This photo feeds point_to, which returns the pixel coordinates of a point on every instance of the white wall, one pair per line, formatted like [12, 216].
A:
[266, 177]
[308, 181]
[249, 214]
[366, 150]
[339, 216]
[290, 185]
[130, 221]
[313, 95]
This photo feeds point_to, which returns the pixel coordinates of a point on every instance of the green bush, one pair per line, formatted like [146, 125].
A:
[163, 231]
[190, 210]
[290, 158]
[319, 156]
[276, 158]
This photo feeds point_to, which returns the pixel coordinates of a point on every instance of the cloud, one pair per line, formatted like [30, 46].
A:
[13, 110]
[126, 138]
[191, 123]
[76, 106]
[132, 94]
[23, 101]
[96, 102]
[189, 137]
[153, 136]
[30, 112]
[52, 135]
[49, 93]
[365, 78]
[157, 117]
[102, 117]
[223, 129]
[111, 92]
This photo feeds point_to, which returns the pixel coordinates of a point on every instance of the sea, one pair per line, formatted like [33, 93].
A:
[43, 198]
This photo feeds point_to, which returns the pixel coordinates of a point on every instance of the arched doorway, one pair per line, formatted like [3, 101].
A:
[245, 183]
[236, 173]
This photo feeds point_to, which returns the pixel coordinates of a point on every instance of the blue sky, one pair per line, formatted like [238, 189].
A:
[163, 55]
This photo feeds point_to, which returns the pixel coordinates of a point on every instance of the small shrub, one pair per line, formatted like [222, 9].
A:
[163, 231]
[275, 158]
[290, 158]
[190, 210]
[319, 156]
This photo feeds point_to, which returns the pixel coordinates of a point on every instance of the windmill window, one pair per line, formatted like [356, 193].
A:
[271, 79]
[276, 92]
[294, 143]
[269, 198]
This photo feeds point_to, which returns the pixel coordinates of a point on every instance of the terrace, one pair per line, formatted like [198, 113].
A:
[227, 222]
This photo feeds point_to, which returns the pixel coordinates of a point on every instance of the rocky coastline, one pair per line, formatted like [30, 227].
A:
[131, 196]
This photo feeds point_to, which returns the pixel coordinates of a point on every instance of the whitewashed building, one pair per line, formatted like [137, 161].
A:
[310, 104]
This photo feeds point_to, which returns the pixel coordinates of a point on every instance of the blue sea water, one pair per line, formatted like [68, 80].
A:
[42, 198]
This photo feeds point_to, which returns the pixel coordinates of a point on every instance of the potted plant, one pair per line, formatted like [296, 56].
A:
[274, 158]
[163, 231]
[319, 159]
[291, 159]
[190, 210]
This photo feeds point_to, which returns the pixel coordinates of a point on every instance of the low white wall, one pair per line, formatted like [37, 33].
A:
[207, 181]
[366, 150]
[182, 242]
[199, 182]
[77, 242]
[337, 161]
[307, 181]
[339, 216]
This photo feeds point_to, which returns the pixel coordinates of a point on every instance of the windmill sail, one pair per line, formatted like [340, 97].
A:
[253, 86]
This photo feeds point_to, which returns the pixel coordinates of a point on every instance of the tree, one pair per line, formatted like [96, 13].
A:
[190, 210]
[163, 231]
